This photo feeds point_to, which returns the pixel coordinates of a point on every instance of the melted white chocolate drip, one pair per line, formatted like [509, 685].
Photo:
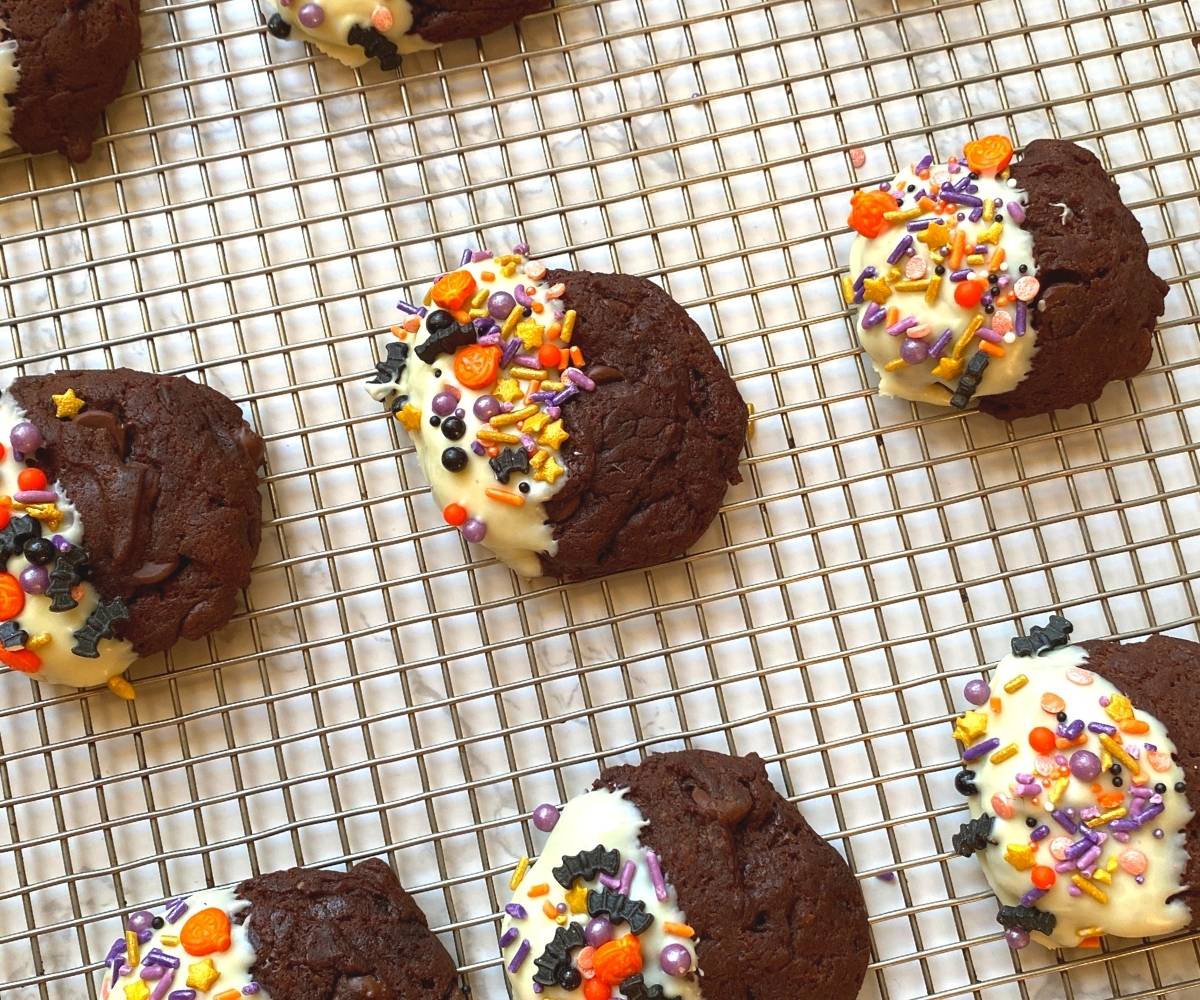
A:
[392, 18]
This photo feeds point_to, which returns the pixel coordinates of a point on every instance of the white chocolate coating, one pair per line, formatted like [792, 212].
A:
[1131, 909]
[919, 382]
[59, 665]
[610, 819]
[516, 534]
[232, 965]
[342, 15]
[10, 76]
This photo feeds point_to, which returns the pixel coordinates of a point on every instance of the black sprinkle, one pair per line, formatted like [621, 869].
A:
[454, 427]
[377, 46]
[454, 459]
[557, 956]
[974, 835]
[391, 367]
[635, 988]
[970, 380]
[99, 625]
[1028, 918]
[278, 27]
[17, 533]
[619, 908]
[68, 571]
[964, 782]
[1056, 633]
[586, 865]
[510, 460]
[12, 636]
[1031, 822]
[446, 340]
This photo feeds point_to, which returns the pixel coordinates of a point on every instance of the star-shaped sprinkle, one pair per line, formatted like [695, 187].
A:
[937, 234]
[577, 898]
[409, 416]
[554, 435]
[970, 726]
[508, 390]
[67, 405]
[201, 975]
[531, 333]
[876, 290]
[536, 423]
[548, 472]
[1020, 856]
[137, 990]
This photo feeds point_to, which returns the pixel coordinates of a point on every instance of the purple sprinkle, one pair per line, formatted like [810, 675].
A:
[35, 496]
[516, 911]
[522, 248]
[1022, 318]
[466, 257]
[867, 272]
[478, 448]
[480, 255]
[1071, 730]
[1121, 836]
[1065, 821]
[489, 339]
[1150, 813]
[627, 873]
[511, 349]
[408, 307]
[656, 876]
[1087, 832]
[1077, 849]
[901, 248]
[522, 296]
[976, 214]
[566, 394]
[954, 166]
[250, 989]
[873, 315]
[176, 909]
[918, 225]
[1089, 858]
[118, 948]
[987, 333]
[1016, 212]
[902, 326]
[61, 544]
[527, 361]
[1141, 793]
[1040, 832]
[980, 749]
[580, 379]
[528, 443]
[183, 995]
[1153, 748]
[886, 876]
[1123, 826]
[541, 396]
[509, 936]
[553, 412]
[940, 345]
[519, 958]
[1101, 727]
[1064, 866]
[961, 274]
[1029, 791]
[609, 881]
[1032, 896]
[1140, 879]
[924, 163]
[159, 957]
[164, 984]
[955, 198]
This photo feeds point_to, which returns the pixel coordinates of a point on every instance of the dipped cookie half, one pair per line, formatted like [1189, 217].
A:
[685, 876]
[62, 62]
[300, 934]
[357, 31]
[129, 518]
[1021, 286]
[1079, 764]
[576, 424]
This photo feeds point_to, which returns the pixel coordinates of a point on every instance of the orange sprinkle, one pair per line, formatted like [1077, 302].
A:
[553, 331]
[679, 930]
[229, 995]
[958, 250]
[997, 260]
[927, 204]
[1004, 298]
[1052, 703]
[399, 332]
[1110, 800]
[893, 314]
[487, 275]
[508, 497]
[1089, 942]
[994, 705]
[538, 307]
[541, 889]
[577, 356]
[995, 350]
[549, 909]
[493, 450]
[1134, 727]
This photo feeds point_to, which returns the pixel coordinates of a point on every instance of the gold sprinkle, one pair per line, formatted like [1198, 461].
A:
[1119, 813]
[515, 417]
[847, 289]
[519, 875]
[1087, 932]
[918, 285]
[170, 940]
[1118, 751]
[903, 214]
[1102, 876]
[1085, 886]
[38, 641]
[514, 317]
[1020, 856]
[527, 374]
[989, 209]
[133, 954]
[480, 298]
[121, 688]
[1003, 754]
[1056, 790]
[1015, 685]
[895, 365]
[496, 437]
[568, 327]
[931, 293]
[577, 898]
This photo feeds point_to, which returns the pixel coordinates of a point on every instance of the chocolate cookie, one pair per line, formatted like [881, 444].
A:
[580, 423]
[301, 934]
[62, 63]
[133, 519]
[1025, 289]
[1078, 764]
[685, 874]
[354, 31]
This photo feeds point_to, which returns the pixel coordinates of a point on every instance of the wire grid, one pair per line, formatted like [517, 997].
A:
[250, 219]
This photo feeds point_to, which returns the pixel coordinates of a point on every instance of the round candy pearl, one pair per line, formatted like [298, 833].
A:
[454, 459]
[675, 960]
[25, 438]
[500, 305]
[474, 530]
[486, 407]
[977, 692]
[141, 920]
[1085, 765]
[443, 404]
[545, 817]
[35, 579]
[1017, 938]
[598, 931]
[312, 15]
[913, 351]
[1132, 861]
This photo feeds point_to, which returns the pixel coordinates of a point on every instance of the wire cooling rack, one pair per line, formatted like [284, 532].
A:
[250, 219]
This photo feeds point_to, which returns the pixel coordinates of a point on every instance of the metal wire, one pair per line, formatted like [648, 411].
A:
[249, 219]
